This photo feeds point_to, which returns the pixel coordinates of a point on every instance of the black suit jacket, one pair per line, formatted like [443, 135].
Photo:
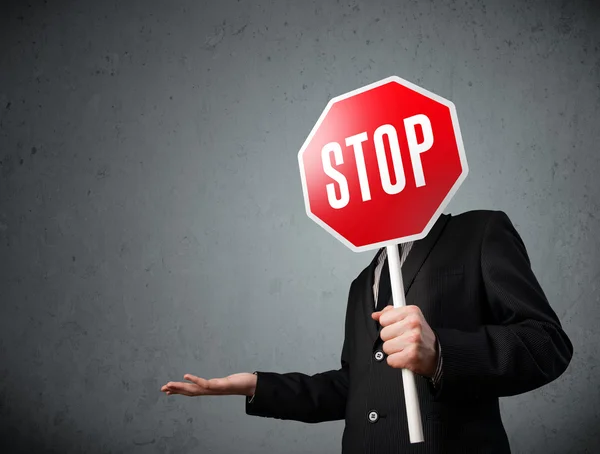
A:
[472, 279]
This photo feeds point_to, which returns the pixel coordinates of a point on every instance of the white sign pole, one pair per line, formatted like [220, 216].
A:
[413, 411]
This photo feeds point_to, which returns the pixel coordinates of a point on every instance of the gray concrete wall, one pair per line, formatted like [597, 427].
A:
[152, 220]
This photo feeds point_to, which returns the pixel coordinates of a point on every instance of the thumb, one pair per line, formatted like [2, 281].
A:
[194, 379]
[377, 315]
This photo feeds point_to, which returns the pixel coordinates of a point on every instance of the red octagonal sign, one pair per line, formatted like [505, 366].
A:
[382, 163]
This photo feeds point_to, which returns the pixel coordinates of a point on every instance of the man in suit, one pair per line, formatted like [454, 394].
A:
[477, 326]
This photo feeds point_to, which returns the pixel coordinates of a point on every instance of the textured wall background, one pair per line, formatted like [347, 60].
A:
[152, 220]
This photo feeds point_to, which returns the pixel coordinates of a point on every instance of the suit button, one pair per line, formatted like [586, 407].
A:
[379, 355]
[373, 416]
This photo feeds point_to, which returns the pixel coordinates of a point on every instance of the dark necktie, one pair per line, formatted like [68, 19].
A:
[385, 287]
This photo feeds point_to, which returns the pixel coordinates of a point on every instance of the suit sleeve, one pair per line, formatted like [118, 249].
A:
[525, 348]
[306, 398]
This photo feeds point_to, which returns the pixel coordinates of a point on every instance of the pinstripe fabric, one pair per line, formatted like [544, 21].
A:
[471, 277]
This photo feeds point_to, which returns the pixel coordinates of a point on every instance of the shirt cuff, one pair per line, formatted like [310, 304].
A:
[437, 376]
[248, 398]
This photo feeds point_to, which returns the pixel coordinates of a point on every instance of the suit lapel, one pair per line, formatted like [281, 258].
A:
[416, 257]
[420, 251]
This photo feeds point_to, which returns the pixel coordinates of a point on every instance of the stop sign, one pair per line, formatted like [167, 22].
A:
[381, 164]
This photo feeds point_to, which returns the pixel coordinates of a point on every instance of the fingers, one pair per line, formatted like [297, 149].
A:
[187, 389]
[199, 386]
[212, 386]
[408, 358]
[409, 326]
[398, 344]
[397, 314]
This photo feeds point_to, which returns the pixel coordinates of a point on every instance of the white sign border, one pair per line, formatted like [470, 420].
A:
[443, 204]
